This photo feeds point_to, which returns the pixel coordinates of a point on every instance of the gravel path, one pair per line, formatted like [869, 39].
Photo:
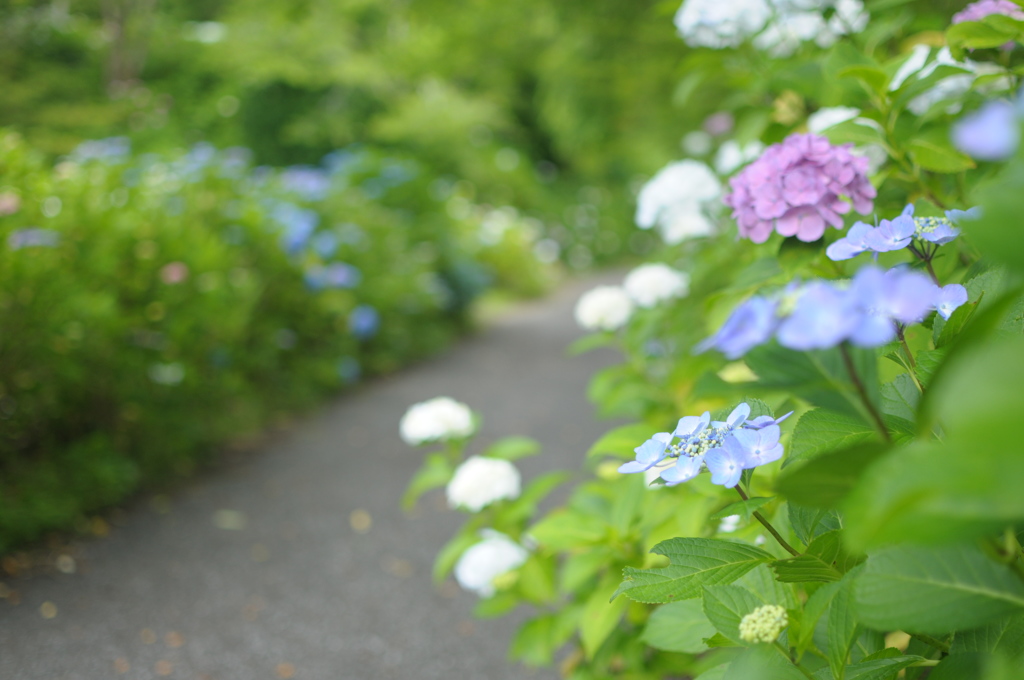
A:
[266, 568]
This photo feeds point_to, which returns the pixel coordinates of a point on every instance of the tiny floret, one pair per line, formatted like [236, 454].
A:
[763, 624]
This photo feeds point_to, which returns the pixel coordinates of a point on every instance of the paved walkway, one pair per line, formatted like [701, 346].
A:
[266, 568]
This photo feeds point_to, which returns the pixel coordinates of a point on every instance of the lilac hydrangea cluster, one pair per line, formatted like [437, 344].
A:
[798, 187]
[899, 233]
[723, 448]
[867, 312]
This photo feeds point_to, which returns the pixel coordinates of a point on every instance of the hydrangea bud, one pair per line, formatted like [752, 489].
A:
[480, 481]
[437, 419]
[763, 624]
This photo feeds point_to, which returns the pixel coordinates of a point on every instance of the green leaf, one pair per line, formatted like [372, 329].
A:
[537, 579]
[451, 552]
[744, 509]
[934, 590]
[823, 561]
[995, 234]
[580, 568]
[693, 563]
[821, 430]
[1005, 635]
[500, 604]
[761, 582]
[957, 321]
[535, 642]
[762, 662]
[567, 529]
[935, 153]
[536, 491]
[824, 481]
[725, 607]
[512, 448]
[599, 616]
[817, 604]
[621, 441]
[974, 35]
[590, 342]
[809, 523]
[880, 669]
[678, 627]
[435, 472]
[874, 79]
[900, 397]
[842, 626]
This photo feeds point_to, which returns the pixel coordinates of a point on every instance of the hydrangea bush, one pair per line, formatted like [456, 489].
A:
[822, 476]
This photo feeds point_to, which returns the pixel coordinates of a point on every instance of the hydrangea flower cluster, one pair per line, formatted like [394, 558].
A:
[992, 133]
[678, 200]
[485, 561]
[605, 308]
[649, 284]
[724, 448]
[480, 481]
[797, 187]
[719, 24]
[437, 419]
[898, 233]
[822, 314]
[764, 624]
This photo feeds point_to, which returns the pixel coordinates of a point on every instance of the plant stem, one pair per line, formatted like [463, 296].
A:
[927, 259]
[767, 525]
[863, 393]
[929, 640]
[925, 663]
[783, 652]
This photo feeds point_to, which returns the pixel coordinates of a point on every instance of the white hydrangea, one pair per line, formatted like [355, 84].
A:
[720, 23]
[951, 88]
[483, 562]
[649, 284]
[677, 200]
[729, 524]
[763, 624]
[437, 419]
[480, 481]
[605, 308]
[798, 21]
[731, 155]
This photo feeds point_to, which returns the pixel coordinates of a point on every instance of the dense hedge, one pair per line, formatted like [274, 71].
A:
[153, 307]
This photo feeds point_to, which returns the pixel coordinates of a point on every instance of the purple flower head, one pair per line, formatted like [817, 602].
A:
[364, 322]
[991, 133]
[949, 298]
[34, 237]
[795, 188]
[724, 448]
[822, 317]
[892, 234]
[851, 245]
[648, 454]
[751, 324]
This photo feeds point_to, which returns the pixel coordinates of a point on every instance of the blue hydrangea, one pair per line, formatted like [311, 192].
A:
[364, 322]
[751, 324]
[905, 231]
[991, 133]
[723, 448]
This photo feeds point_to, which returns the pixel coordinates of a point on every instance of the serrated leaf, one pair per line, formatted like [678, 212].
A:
[512, 448]
[956, 323]
[621, 441]
[725, 607]
[693, 563]
[679, 627]
[935, 590]
[900, 397]
[809, 523]
[824, 561]
[744, 509]
[880, 669]
[820, 430]
[1005, 635]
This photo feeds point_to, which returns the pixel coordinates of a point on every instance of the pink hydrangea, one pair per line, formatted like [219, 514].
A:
[798, 187]
[976, 11]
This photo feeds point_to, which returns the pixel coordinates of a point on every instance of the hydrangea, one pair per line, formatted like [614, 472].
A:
[483, 562]
[649, 284]
[976, 11]
[335, 275]
[480, 481]
[720, 23]
[764, 624]
[438, 419]
[731, 155]
[795, 188]
[723, 448]
[677, 200]
[899, 233]
[33, 237]
[992, 133]
[798, 21]
[821, 314]
[605, 308]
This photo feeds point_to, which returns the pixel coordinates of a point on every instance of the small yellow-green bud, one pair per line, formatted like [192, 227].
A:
[763, 624]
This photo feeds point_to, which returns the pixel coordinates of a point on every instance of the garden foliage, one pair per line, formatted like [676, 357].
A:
[823, 477]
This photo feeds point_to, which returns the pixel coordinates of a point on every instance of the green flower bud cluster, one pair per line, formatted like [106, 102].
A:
[763, 624]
